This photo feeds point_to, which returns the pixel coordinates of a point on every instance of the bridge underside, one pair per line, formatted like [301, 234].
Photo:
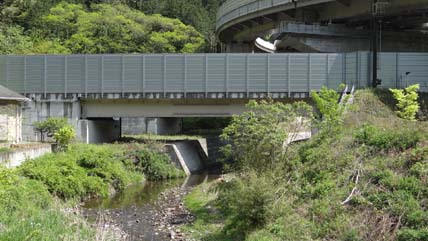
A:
[318, 24]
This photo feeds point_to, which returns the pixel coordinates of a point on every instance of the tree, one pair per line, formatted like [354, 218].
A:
[13, 40]
[407, 101]
[258, 135]
[49, 127]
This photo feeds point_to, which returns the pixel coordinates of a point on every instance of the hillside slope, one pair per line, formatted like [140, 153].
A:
[367, 180]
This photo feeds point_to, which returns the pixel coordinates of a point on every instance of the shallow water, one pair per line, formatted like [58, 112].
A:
[136, 209]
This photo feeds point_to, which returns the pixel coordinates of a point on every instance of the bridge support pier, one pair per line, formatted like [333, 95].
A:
[158, 125]
[96, 131]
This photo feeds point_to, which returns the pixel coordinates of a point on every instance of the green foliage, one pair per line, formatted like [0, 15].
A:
[13, 40]
[407, 101]
[363, 182]
[331, 111]
[117, 29]
[50, 126]
[156, 165]
[401, 139]
[64, 136]
[80, 172]
[247, 202]
[257, 136]
[29, 212]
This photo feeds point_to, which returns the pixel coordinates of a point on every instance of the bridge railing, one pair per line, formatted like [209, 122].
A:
[203, 74]
[233, 9]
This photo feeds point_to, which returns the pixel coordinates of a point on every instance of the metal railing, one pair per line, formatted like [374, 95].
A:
[233, 9]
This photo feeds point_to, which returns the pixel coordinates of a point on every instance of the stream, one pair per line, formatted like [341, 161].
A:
[151, 211]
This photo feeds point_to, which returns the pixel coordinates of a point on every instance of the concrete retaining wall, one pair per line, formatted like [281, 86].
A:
[187, 155]
[15, 158]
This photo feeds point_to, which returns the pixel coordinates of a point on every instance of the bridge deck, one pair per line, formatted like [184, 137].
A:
[204, 75]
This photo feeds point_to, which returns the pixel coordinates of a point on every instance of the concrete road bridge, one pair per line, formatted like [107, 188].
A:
[103, 95]
[323, 25]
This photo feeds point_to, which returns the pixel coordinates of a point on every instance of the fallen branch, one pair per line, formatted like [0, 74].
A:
[354, 190]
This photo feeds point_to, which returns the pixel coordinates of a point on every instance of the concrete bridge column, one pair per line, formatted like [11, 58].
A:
[158, 125]
[96, 131]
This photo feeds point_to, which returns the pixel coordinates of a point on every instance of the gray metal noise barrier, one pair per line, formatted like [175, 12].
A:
[206, 73]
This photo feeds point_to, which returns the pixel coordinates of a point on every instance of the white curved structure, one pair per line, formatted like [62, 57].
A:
[266, 46]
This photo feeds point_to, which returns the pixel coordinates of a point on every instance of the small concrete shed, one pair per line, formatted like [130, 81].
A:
[11, 115]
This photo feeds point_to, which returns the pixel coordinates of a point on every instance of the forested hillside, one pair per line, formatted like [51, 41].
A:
[107, 26]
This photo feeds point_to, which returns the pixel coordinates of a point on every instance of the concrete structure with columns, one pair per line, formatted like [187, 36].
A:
[324, 25]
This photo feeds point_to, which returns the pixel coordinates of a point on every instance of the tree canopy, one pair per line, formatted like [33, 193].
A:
[108, 26]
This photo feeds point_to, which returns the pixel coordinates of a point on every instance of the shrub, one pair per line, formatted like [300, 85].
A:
[407, 234]
[64, 136]
[387, 139]
[156, 165]
[246, 201]
[331, 111]
[407, 101]
[80, 172]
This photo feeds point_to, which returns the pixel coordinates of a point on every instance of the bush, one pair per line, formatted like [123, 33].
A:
[389, 139]
[247, 202]
[407, 101]
[29, 212]
[156, 165]
[64, 136]
[407, 234]
[80, 172]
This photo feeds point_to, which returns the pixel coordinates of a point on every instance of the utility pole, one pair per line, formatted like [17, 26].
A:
[378, 11]
[375, 40]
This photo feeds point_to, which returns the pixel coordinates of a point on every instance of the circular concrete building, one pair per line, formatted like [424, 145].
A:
[324, 25]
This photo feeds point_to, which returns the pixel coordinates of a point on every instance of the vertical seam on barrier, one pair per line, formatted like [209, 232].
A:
[397, 65]
[44, 76]
[164, 76]
[65, 75]
[327, 72]
[289, 75]
[357, 69]
[86, 75]
[247, 76]
[268, 74]
[226, 84]
[206, 76]
[309, 74]
[122, 62]
[185, 77]
[25, 75]
[102, 76]
[143, 76]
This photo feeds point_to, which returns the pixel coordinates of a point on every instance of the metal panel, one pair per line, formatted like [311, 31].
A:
[257, 72]
[237, 81]
[75, 74]
[299, 72]
[15, 73]
[195, 73]
[335, 63]
[112, 82]
[174, 78]
[3, 61]
[215, 73]
[132, 73]
[35, 74]
[278, 73]
[55, 74]
[417, 65]
[318, 71]
[93, 69]
[154, 73]
[387, 69]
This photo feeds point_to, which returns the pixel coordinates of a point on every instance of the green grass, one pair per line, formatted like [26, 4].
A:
[4, 149]
[209, 221]
[153, 137]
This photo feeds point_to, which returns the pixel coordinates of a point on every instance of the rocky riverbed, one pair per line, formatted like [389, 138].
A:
[157, 218]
